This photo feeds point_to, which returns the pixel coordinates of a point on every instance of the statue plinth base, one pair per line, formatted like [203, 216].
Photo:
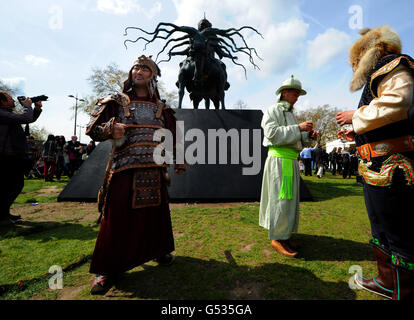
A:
[235, 172]
[229, 169]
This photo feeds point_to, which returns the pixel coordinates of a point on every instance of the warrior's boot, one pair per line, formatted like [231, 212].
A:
[382, 284]
[101, 284]
[403, 277]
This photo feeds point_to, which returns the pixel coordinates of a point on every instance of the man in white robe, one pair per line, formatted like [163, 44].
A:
[279, 203]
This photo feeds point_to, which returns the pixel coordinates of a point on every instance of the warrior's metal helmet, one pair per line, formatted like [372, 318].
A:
[147, 61]
[203, 24]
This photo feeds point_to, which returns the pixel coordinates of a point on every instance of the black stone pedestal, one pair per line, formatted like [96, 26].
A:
[224, 155]
[227, 176]
[85, 184]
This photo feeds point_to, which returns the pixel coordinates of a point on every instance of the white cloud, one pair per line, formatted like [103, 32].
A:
[36, 61]
[154, 10]
[282, 46]
[118, 6]
[226, 13]
[7, 63]
[326, 47]
[123, 7]
[14, 82]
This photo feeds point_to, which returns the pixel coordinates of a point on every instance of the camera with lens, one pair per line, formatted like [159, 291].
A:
[34, 99]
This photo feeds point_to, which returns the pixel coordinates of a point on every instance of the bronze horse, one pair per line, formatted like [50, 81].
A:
[203, 75]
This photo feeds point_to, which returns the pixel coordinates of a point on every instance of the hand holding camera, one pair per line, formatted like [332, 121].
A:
[27, 102]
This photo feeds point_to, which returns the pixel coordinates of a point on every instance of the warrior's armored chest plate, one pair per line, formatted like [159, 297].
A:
[142, 120]
[141, 113]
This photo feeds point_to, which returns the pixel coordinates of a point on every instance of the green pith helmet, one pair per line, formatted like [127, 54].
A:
[291, 83]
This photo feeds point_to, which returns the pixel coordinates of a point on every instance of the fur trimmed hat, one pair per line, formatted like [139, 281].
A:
[373, 45]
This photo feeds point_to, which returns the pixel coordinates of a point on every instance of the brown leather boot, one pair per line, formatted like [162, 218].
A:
[403, 284]
[382, 284]
[283, 248]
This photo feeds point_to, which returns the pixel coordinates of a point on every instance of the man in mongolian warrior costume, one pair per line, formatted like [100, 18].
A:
[384, 137]
[133, 201]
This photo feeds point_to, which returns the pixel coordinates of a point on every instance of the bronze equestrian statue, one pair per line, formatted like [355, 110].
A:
[203, 75]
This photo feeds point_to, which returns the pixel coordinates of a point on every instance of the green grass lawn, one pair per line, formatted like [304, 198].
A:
[222, 253]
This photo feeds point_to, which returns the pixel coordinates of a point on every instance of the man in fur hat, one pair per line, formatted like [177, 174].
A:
[136, 222]
[285, 138]
[384, 136]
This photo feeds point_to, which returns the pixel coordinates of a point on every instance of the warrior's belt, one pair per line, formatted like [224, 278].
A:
[386, 147]
[287, 155]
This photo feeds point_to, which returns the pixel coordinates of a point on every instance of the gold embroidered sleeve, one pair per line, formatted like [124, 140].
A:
[395, 96]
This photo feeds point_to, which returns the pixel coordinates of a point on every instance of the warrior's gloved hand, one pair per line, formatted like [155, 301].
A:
[118, 131]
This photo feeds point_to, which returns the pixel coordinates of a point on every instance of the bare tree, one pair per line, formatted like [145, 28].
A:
[39, 133]
[240, 104]
[111, 79]
[170, 96]
[324, 120]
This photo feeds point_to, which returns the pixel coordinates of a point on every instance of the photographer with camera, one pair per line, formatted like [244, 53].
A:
[13, 151]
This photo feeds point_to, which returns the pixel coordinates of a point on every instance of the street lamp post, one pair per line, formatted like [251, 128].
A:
[80, 131]
[76, 109]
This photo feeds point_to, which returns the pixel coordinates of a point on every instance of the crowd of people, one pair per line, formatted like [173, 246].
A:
[56, 157]
[342, 161]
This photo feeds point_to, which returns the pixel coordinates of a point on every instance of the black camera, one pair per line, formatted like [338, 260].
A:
[34, 99]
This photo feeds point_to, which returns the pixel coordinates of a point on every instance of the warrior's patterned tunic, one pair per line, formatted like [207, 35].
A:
[136, 225]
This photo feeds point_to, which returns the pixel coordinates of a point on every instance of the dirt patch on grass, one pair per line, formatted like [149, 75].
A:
[86, 211]
[207, 205]
[247, 247]
[48, 191]
[58, 211]
[267, 252]
[71, 293]
[246, 291]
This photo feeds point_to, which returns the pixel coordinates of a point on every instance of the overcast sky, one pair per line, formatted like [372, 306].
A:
[50, 46]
